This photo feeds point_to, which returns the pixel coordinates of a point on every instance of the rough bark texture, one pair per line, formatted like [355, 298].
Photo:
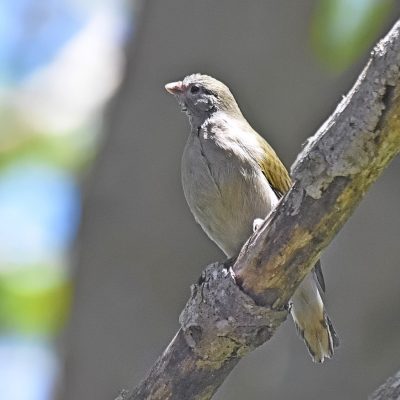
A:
[390, 390]
[221, 323]
[331, 175]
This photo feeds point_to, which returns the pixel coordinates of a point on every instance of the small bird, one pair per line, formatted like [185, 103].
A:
[232, 177]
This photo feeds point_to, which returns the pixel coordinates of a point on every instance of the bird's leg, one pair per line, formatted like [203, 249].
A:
[257, 224]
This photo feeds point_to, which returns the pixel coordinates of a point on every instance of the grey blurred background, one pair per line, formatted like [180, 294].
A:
[139, 248]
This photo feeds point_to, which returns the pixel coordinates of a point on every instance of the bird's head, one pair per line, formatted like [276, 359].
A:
[200, 96]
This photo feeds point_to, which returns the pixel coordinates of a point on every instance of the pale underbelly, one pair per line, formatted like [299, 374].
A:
[226, 214]
[225, 192]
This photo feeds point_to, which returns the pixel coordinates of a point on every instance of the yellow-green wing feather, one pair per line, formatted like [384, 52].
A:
[279, 179]
[274, 170]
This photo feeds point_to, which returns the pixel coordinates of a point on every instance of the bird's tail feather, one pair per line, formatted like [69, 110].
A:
[320, 338]
[312, 321]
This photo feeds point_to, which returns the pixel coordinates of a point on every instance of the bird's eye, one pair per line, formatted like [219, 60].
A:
[194, 89]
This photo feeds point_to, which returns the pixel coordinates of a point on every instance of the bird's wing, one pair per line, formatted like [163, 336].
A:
[274, 170]
[280, 182]
[319, 276]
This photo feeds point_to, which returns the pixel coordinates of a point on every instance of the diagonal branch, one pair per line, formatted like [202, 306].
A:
[390, 390]
[234, 310]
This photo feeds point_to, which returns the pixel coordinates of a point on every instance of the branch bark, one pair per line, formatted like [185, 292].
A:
[235, 308]
[390, 390]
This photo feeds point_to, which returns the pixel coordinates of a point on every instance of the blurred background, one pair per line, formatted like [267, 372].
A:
[97, 246]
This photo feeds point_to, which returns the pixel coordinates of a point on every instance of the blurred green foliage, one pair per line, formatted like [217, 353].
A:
[343, 30]
[73, 151]
[34, 300]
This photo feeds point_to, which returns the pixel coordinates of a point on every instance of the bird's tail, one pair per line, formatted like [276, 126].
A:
[312, 321]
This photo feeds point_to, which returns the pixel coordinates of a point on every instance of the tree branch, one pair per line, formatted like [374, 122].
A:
[390, 390]
[234, 309]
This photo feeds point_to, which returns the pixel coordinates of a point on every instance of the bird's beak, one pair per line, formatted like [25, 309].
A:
[175, 87]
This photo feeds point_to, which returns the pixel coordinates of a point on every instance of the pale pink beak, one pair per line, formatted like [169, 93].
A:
[175, 87]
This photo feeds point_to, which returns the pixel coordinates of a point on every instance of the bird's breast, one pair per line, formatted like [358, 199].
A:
[225, 191]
